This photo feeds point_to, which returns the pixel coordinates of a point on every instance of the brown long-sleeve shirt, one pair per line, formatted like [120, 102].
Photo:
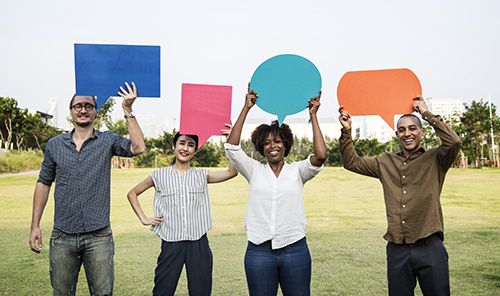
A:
[412, 185]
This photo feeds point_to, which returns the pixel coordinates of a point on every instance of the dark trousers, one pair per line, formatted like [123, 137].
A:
[197, 257]
[425, 260]
[290, 267]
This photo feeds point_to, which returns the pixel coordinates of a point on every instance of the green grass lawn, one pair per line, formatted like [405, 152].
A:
[346, 221]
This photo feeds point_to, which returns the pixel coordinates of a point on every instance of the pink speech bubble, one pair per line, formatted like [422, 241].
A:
[205, 109]
[383, 92]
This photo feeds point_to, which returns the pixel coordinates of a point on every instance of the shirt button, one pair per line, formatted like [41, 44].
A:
[404, 163]
[404, 176]
[404, 191]
[404, 206]
[403, 221]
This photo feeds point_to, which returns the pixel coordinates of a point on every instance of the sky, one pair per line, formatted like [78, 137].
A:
[452, 46]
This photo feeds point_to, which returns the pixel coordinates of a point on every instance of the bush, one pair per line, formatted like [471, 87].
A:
[19, 161]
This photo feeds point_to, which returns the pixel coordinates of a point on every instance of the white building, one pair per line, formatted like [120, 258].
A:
[449, 108]
[148, 125]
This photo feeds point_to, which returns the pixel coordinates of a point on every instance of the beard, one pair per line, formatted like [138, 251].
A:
[84, 124]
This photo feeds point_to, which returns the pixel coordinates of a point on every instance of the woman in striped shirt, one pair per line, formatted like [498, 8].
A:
[181, 218]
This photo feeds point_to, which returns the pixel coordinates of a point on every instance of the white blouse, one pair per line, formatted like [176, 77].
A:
[275, 209]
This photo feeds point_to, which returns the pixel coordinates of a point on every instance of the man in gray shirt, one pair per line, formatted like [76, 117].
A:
[80, 164]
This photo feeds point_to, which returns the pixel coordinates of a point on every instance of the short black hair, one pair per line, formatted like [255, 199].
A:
[260, 134]
[194, 137]
[73, 99]
[419, 122]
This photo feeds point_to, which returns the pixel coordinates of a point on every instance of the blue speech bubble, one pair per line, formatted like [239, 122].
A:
[100, 70]
[285, 84]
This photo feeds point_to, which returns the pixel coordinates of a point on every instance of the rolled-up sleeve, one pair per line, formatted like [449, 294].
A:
[243, 163]
[48, 171]
[308, 170]
[121, 145]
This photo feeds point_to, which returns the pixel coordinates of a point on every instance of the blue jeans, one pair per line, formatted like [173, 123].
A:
[67, 253]
[290, 267]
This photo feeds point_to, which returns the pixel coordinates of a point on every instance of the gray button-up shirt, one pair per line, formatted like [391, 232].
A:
[82, 191]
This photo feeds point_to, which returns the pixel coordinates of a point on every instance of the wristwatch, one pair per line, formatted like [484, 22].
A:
[129, 115]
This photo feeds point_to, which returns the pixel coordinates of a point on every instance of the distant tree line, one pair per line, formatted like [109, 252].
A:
[21, 129]
[29, 131]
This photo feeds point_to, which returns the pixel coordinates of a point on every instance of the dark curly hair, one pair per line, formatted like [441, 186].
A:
[260, 134]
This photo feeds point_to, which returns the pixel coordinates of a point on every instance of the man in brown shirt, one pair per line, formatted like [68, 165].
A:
[412, 180]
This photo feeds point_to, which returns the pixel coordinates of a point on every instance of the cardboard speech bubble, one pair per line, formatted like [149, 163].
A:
[284, 84]
[379, 92]
[205, 109]
[100, 70]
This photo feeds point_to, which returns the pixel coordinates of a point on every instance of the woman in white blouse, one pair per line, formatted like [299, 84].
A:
[277, 251]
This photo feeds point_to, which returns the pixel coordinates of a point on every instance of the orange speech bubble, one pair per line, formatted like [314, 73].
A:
[383, 92]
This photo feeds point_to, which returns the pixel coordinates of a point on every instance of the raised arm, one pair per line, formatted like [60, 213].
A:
[134, 130]
[450, 141]
[222, 175]
[133, 199]
[319, 156]
[40, 198]
[350, 159]
[231, 172]
[235, 135]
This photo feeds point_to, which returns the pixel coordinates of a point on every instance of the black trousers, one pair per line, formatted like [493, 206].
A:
[425, 260]
[197, 257]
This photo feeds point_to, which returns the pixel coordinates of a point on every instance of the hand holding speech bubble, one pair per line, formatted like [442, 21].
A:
[284, 84]
[100, 69]
[205, 110]
[384, 92]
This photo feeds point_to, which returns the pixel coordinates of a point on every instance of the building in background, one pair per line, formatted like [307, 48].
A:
[449, 108]
[362, 126]
[148, 125]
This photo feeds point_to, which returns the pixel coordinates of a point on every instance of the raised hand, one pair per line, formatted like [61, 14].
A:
[128, 96]
[227, 131]
[250, 98]
[314, 104]
[344, 118]
[419, 105]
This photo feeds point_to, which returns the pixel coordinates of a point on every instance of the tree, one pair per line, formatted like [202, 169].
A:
[430, 139]
[474, 129]
[120, 127]
[103, 115]
[8, 110]
[209, 155]
[369, 147]
[26, 129]
[163, 143]
[333, 152]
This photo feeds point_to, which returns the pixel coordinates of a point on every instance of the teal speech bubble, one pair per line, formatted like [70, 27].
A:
[285, 83]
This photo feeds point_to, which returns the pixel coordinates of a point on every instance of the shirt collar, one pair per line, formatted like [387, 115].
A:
[69, 136]
[414, 154]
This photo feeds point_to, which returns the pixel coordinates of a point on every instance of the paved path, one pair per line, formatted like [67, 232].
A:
[27, 173]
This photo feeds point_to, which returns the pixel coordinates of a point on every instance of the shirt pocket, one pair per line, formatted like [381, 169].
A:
[416, 174]
[169, 197]
[196, 196]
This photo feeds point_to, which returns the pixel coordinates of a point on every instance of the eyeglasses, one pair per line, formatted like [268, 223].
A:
[78, 107]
